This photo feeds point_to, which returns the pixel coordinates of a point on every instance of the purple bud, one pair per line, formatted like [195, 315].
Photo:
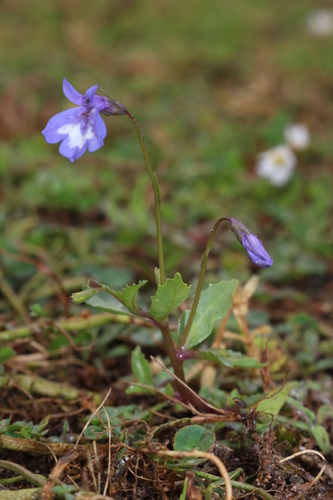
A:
[251, 243]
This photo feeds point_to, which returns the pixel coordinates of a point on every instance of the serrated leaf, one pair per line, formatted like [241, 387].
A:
[228, 358]
[128, 296]
[168, 297]
[140, 367]
[213, 306]
[107, 302]
[193, 437]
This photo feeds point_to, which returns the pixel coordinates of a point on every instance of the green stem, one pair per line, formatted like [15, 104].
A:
[175, 363]
[35, 479]
[157, 196]
[204, 260]
[187, 394]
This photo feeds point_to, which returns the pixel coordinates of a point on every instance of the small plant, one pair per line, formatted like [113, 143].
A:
[82, 128]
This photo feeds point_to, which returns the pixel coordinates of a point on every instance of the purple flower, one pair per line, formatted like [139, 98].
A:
[81, 128]
[251, 243]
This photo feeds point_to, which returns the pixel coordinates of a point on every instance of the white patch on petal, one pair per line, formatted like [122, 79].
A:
[277, 165]
[76, 138]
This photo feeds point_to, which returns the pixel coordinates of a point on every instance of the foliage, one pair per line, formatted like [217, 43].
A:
[196, 77]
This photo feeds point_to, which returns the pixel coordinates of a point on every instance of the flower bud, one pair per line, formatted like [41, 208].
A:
[251, 243]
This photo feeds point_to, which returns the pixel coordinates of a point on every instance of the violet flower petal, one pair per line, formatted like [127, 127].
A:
[72, 94]
[72, 153]
[99, 129]
[68, 117]
[81, 128]
[251, 243]
[102, 104]
[256, 250]
[89, 95]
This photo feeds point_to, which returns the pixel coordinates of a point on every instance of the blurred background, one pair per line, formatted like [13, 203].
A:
[212, 84]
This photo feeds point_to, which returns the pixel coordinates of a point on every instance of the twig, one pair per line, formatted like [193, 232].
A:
[35, 479]
[47, 448]
[303, 452]
[92, 416]
[73, 324]
[47, 271]
[44, 387]
[12, 298]
[202, 404]
[108, 475]
[200, 454]
[27, 494]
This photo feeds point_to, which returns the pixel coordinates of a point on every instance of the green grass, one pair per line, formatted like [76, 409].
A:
[212, 85]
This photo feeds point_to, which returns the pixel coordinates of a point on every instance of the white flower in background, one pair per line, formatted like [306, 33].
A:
[277, 164]
[320, 22]
[297, 136]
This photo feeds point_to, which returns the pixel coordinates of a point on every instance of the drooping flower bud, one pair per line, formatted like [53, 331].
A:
[251, 243]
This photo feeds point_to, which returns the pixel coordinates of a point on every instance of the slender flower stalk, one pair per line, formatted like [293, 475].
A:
[204, 260]
[252, 245]
[164, 327]
[157, 197]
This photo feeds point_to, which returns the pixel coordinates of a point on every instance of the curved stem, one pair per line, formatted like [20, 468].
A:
[157, 196]
[204, 260]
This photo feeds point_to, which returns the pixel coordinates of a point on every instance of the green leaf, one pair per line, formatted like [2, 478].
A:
[4, 425]
[193, 437]
[107, 302]
[213, 306]
[308, 414]
[128, 296]
[6, 353]
[26, 432]
[140, 367]
[228, 358]
[214, 396]
[121, 302]
[322, 438]
[168, 297]
[43, 423]
[324, 411]
[84, 295]
[274, 400]
[183, 494]
[95, 432]
[17, 426]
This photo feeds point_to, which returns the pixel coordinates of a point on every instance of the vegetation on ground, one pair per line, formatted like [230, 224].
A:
[90, 404]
